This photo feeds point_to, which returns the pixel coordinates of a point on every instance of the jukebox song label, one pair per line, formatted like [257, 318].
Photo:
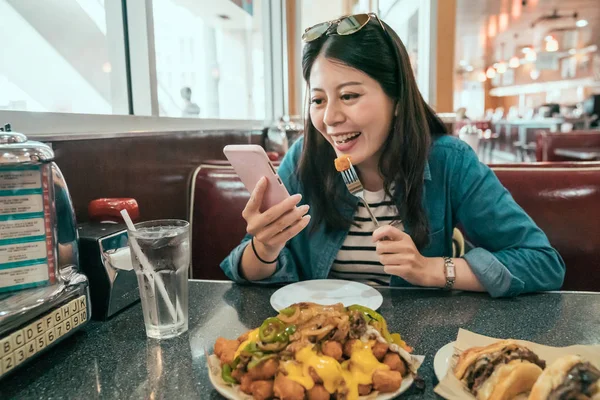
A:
[26, 244]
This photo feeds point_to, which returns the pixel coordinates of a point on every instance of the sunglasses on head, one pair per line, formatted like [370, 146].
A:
[342, 26]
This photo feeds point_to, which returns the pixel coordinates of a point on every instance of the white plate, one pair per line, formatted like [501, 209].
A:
[326, 292]
[234, 393]
[442, 360]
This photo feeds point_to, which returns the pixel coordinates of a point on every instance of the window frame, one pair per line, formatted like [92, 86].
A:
[138, 92]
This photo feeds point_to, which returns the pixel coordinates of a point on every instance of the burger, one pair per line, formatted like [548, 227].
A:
[499, 371]
[568, 377]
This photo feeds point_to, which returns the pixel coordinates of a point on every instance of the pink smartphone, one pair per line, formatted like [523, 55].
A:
[250, 162]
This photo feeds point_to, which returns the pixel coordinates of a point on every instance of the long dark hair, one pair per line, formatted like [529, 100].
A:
[381, 55]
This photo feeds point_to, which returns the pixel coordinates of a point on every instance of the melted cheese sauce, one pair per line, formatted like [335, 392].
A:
[252, 337]
[358, 370]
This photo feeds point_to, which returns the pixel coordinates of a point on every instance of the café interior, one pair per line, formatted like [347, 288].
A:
[127, 105]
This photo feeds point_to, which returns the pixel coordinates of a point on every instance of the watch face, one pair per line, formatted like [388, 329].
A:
[450, 272]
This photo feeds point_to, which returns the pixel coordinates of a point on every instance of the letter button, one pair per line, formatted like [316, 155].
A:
[66, 311]
[6, 346]
[18, 338]
[57, 316]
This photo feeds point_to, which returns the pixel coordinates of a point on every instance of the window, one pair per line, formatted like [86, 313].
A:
[62, 57]
[413, 21]
[89, 65]
[216, 47]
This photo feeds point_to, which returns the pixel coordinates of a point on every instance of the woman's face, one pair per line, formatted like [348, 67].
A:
[350, 110]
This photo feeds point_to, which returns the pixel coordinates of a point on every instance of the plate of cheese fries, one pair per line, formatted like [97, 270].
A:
[503, 369]
[313, 351]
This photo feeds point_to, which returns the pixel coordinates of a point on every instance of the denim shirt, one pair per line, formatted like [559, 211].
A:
[512, 254]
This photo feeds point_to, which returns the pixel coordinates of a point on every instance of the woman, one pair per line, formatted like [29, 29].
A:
[421, 183]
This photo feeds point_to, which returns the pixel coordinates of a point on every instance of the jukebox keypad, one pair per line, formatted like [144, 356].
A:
[34, 337]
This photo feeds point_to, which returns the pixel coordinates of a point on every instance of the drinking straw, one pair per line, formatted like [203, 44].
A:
[147, 268]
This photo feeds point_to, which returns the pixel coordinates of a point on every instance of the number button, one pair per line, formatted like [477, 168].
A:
[75, 320]
[8, 362]
[30, 349]
[68, 325]
[60, 330]
[40, 343]
[20, 355]
[50, 336]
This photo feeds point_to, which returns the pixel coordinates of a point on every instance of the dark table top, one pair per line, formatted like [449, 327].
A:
[115, 360]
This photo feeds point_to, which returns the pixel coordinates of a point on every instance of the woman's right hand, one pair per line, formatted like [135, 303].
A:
[274, 227]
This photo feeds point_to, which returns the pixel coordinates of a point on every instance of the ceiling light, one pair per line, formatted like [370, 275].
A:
[526, 49]
[581, 23]
[534, 74]
[481, 77]
[531, 56]
[490, 73]
[469, 68]
[514, 62]
[552, 45]
[501, 67]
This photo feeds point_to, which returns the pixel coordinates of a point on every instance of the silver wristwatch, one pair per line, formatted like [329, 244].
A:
[450, 273]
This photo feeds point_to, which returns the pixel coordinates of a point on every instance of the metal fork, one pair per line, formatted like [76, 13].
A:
[356, 188]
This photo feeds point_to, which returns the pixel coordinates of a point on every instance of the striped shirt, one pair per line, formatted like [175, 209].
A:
[357, 259]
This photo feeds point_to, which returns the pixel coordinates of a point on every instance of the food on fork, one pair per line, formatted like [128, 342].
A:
[568, 377]
[499, 371]
[312, 351]
[342, 163]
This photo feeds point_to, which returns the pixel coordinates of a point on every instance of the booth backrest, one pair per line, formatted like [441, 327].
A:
[562, 198]
[547, 142]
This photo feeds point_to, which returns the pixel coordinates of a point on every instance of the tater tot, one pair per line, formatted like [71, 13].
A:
[364, 390]
[244, 336]
[342, 163]
[318, 392]
[379, 350]
[262, 390]
[225, 350]
[287, 389]
[237, 374]
[332, 349]
[264, 371]
[386, 381]
[395, 363]
[245, 384]
[348, 347]
[314, 376]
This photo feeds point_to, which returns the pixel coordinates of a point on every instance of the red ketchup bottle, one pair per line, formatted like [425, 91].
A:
[109, 209]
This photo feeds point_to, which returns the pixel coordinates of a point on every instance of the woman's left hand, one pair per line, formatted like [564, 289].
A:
[399, 256]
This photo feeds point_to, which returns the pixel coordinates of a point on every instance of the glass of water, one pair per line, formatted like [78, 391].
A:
[160, 253]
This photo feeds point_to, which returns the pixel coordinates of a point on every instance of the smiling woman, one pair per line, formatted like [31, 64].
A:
[418, 181]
